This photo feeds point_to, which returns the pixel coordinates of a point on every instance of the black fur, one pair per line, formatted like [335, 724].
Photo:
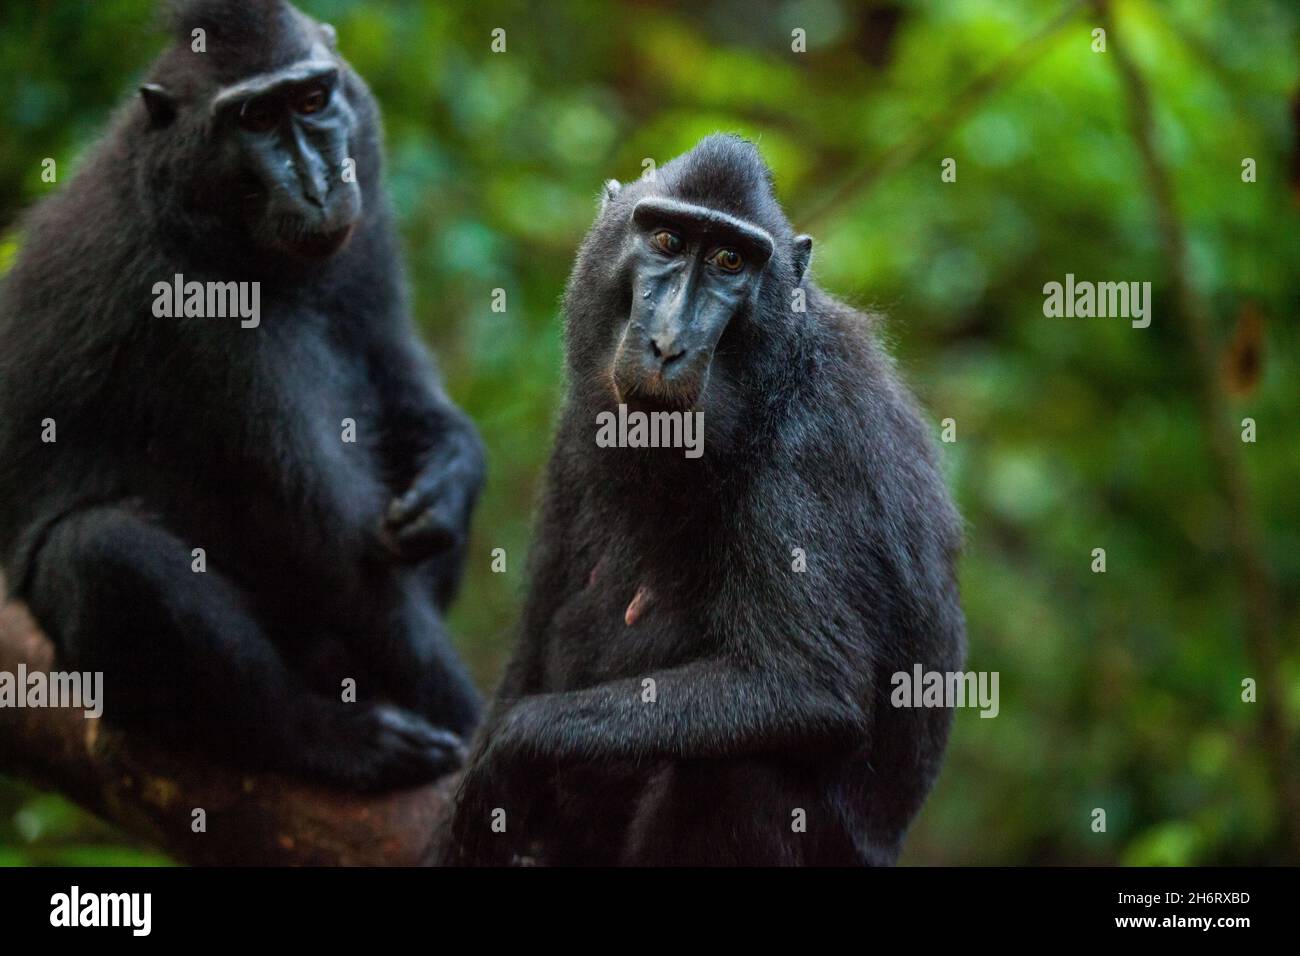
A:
[772, 685]
[183, 433]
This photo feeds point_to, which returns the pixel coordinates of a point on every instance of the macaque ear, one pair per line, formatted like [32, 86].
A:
[160, 104]
[331, 35]
[802, 256]
[612, 189]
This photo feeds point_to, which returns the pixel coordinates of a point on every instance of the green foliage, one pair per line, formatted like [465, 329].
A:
[1119, 690]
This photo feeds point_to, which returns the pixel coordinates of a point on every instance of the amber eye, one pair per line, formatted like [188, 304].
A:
[313, 100]
[668, 241]
[259, 116]
[728, 260]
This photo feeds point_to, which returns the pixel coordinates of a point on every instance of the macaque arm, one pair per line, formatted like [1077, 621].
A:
[709, 708]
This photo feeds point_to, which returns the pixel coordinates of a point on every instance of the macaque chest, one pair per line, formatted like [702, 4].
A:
[613, 627]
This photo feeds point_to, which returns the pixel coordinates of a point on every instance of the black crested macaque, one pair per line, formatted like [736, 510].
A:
[234, 498]
[704, 670]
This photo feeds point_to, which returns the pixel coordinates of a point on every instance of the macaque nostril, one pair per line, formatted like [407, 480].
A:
[314, 193]
[666, 354]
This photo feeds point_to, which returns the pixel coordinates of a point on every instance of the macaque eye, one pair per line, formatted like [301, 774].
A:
[668, 241]
[259, 116]
[728, 260]
[313, 100]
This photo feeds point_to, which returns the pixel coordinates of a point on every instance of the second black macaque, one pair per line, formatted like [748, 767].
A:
[704, 670]
[235, 515]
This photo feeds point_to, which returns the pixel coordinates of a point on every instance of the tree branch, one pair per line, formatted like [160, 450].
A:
[151, 793]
